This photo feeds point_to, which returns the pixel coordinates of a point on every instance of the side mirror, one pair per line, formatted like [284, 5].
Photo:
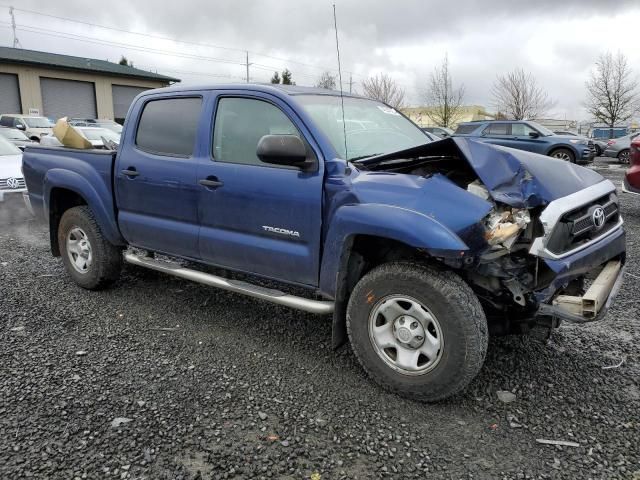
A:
[534, 134]
[20, 126]
[282, 150]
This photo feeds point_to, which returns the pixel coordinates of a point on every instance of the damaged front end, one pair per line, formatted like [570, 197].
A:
[552, 246]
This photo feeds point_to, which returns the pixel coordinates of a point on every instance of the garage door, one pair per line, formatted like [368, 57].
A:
[10, 94]
[68, 98]
[122, 98]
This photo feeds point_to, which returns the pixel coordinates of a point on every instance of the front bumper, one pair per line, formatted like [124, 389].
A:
[608, 251]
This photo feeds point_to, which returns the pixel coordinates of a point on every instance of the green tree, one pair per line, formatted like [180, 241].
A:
[275, 78]
[124, 61]
[287, 77]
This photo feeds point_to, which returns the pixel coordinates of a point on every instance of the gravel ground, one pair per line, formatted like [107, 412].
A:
[160, 378]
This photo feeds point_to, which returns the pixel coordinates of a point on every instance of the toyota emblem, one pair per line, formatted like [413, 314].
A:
[598, 218]
[13, 183]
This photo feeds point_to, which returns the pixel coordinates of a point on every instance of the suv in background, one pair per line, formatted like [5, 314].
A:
[33, 127]
[442, 132]
[529, 136]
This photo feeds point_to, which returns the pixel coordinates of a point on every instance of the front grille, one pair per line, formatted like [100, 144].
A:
[19, 183]
[577, 226]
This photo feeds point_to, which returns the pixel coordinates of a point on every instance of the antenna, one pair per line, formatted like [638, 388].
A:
[344, 124]
[16, 42]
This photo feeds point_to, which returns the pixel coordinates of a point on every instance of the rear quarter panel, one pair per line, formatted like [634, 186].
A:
[85, 172]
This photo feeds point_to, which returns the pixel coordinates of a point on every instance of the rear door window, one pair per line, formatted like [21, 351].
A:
[168, 126]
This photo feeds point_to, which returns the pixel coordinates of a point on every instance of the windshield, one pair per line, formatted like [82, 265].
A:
[37, 122]
[372, 128]
[13, 134]
[96, 134]
[544, 131]
[8, 148]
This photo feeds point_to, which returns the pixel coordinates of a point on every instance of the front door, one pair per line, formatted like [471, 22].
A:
[257, 217]
[155, 177]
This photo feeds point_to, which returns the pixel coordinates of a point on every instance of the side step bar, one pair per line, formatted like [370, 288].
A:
[320, 307]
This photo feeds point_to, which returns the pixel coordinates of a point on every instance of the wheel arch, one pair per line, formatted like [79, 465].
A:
[64, 189]
[362, 237]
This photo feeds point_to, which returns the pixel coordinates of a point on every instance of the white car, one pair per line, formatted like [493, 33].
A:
[93, 134]
[11, 179]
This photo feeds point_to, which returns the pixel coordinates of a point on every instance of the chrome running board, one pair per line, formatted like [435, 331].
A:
[320, 307]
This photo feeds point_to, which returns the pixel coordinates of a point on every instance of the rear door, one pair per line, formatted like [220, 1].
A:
[259, 218]
[155, 176]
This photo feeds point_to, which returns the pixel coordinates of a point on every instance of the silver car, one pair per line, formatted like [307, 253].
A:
[619, 147]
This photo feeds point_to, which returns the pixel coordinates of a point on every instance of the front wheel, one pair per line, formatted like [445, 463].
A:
[88, 257]
[563, 154]
[417, 331]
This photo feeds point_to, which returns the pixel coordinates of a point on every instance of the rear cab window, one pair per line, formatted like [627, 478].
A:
[168, 126]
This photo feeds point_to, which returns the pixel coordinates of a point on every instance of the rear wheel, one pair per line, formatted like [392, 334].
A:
[88, 257]
[623, 156]
[563, 154]
[417, 331]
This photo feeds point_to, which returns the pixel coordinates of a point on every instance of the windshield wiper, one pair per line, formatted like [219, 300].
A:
[355, 159]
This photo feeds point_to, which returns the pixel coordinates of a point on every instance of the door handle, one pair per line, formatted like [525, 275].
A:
[210, 182]
[131, 172]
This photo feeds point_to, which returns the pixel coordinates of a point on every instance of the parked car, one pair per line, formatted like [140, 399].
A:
[599, 145]
[11, 179]
[631, 182]
[93, 134]
[529, 136]
[93, 122]
[620, 147]
[15, 136]
[33, 127]
[431, 136]
[418, 249]
[442, 132]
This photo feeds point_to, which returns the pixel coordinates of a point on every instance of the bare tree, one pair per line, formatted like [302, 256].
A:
[327, 81]
[518, 95]
[612, 95]
[444, 101]
[384, 88]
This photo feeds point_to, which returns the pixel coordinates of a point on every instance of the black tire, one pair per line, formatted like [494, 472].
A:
[457, 310]
[106, 258]
[623, 156]
[563, 154]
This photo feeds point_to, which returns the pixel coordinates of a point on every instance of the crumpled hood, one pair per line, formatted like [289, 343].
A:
[514, 177]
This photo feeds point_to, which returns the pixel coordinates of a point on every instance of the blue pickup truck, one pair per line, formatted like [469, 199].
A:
[529, 136]
[418, 249]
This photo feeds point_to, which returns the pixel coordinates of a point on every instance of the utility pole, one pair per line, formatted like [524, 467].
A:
[247, 64]
[350, 82]
[16, 42]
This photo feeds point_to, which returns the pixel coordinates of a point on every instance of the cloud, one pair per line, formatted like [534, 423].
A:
[557, 41]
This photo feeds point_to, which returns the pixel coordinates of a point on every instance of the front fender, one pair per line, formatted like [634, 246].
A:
[387, 221]
[92, 188]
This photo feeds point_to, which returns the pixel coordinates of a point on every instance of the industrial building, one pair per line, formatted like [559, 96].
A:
[53, 85]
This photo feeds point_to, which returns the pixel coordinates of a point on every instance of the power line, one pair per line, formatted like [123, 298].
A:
[159, 37]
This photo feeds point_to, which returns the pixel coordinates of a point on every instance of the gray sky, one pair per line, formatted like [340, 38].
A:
[557, 40]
